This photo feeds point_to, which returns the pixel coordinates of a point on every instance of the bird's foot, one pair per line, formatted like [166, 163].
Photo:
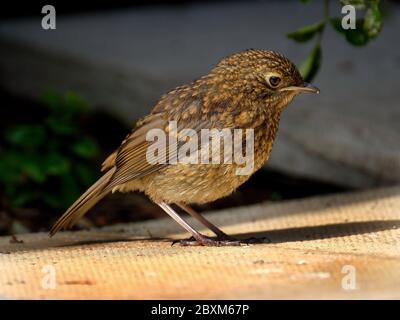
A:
[209, 242]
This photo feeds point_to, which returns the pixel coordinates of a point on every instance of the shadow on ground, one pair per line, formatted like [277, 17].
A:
[307, 233]
[320, 232]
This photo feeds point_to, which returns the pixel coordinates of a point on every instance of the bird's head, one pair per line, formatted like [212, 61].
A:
[263, 76]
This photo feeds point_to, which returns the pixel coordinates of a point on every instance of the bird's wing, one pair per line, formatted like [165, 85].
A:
[136, 138]
[130, 159]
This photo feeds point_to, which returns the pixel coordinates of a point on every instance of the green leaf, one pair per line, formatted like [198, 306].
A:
[310, 66]
[26, 135]
[60, 126]
[359, 4]
[64, 111]
[306, 33]
[336, 23]
[85, 148]
[372, 21]
[74, 103]
[34, 172]
[357, 36]
[18, 166]
[70, 102]
[56, 164]
[52, 99]
[33, 168]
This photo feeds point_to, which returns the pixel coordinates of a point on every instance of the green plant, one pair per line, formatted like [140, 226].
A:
[49, 162]
[367, 28]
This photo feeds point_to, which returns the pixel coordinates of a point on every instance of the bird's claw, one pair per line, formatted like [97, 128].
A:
[209, 242]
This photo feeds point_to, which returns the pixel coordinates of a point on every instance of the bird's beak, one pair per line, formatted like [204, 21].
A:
[306, 87]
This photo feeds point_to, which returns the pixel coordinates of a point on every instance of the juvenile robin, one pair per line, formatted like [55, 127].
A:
[247, 90]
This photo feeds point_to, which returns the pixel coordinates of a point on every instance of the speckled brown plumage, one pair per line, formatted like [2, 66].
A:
[238, 93]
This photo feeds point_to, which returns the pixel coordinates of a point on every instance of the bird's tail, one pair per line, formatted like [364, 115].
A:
[94, 194]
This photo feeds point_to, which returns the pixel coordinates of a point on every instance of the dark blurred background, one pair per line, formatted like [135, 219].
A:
[70, 95]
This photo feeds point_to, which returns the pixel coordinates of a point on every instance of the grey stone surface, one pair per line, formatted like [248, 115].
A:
[124, 60]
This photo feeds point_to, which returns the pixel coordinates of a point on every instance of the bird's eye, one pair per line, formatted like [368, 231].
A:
[274, 81]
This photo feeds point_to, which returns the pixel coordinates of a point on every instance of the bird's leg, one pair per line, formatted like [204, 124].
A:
[199, 239]
[218, 232]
